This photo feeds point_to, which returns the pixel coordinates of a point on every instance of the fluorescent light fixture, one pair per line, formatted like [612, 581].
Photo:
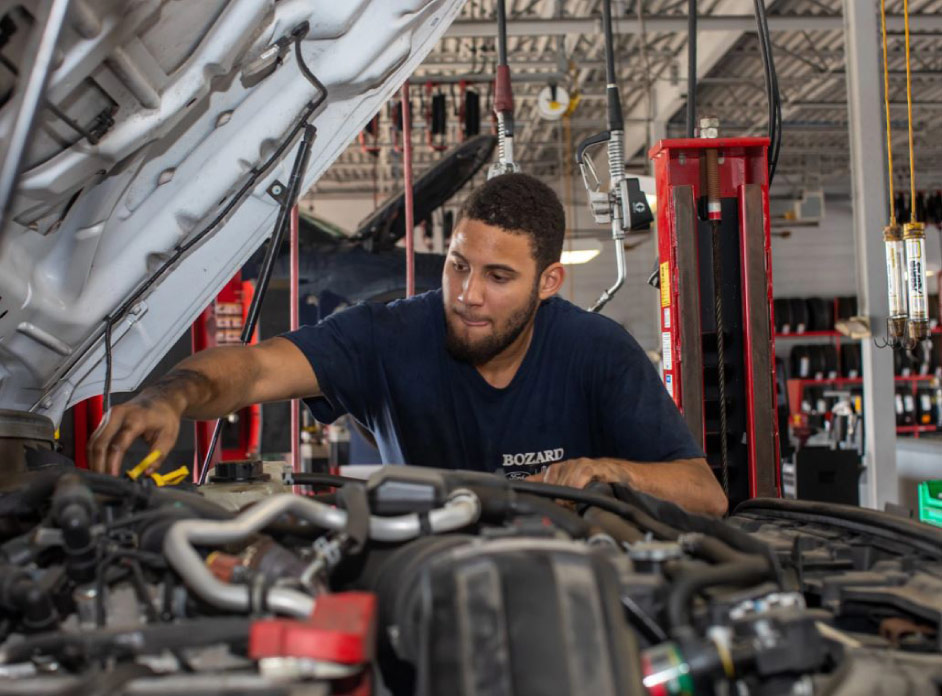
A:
[578, 256]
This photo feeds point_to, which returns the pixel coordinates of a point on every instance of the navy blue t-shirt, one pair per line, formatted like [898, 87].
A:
[584, 389]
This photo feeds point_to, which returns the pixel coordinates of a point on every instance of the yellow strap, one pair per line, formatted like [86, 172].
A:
[147, 461]
[173, 478]
[726, 658]
[909, 106]
[886, 101]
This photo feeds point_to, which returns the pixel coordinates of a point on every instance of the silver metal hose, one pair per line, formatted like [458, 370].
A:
[616, 158]
[608, 294]
[616, 174]
[462, 509]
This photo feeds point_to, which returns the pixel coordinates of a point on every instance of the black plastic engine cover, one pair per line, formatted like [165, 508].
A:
[508, 617]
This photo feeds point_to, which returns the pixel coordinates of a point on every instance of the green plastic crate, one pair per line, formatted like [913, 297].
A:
[930, 502]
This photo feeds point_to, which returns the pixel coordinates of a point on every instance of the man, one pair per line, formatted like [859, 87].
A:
[491, 373]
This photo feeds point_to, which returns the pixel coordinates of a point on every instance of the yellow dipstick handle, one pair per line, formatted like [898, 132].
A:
[136, 472]
[173, 478]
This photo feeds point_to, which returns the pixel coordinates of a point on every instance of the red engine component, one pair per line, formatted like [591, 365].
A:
[688, 327]
[341, 629]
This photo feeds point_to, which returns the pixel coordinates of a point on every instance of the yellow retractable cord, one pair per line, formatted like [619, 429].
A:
[892, 234]
[906, 248]
[173, 478]
[914, 232]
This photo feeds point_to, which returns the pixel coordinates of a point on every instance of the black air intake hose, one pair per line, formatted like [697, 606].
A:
[75, 511]
[686, 584]
[22, 596]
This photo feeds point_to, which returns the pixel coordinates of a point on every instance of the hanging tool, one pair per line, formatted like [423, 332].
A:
[286, 205]
[914, 232]
[436, 119]
[503, 103]
[892, 236]
[396, 123]
[369, 136]
[624, 206]
[469, 112]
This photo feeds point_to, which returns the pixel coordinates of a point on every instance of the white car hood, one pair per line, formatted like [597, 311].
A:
[89, 224]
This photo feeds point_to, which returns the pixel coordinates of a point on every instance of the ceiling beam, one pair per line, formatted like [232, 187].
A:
[739, 22]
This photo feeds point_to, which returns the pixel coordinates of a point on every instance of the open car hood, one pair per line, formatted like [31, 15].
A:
[198, 106]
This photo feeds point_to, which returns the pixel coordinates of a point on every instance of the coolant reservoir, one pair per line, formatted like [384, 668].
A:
[233, 485]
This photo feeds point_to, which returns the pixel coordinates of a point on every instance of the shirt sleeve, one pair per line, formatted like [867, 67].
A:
[640, 421]
[342, 353]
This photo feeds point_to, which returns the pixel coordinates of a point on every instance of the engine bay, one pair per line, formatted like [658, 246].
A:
[423, 581]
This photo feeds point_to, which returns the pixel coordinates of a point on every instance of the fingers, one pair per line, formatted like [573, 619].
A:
[552, 473]
[163, 441]
[541, 476]
[121, 426]
[131, 429]
[575, 473]
[110, 424]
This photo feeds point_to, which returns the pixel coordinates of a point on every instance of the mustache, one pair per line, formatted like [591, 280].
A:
[468, 317]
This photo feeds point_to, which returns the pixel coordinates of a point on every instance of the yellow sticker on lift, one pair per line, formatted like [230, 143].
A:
[665, 284]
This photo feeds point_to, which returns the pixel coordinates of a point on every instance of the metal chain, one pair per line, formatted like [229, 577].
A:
[720, 353]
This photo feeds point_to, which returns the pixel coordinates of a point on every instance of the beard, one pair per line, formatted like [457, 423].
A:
[484, 349]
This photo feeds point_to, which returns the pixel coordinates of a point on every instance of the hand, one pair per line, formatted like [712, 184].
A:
[155, 421]
[579, 473]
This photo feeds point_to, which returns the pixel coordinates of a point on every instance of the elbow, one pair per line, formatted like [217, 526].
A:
[716, 504]
[713, 500]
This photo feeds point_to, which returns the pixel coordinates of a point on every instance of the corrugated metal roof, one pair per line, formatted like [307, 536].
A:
[810, 66]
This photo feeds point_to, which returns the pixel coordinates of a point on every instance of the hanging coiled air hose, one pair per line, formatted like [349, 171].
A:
[503, 103]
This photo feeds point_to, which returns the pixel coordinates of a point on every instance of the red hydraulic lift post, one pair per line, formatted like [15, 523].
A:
[407, 173]
[687, 320]
[295, 321]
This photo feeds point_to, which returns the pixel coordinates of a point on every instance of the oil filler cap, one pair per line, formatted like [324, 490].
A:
[239, 471]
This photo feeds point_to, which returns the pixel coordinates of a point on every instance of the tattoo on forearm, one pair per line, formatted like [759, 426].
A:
[189, 382]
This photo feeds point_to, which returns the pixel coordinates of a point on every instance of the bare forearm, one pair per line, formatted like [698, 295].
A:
[687, 482]
[209, 384]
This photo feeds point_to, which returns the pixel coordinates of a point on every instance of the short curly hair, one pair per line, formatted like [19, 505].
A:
[521, 204]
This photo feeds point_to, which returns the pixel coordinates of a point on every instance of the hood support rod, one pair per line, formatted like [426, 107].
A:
[282, 224]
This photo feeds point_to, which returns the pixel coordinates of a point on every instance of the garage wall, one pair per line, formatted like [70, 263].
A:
[817, 261]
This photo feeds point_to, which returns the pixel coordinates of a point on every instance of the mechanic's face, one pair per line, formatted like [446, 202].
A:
[491, 290]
